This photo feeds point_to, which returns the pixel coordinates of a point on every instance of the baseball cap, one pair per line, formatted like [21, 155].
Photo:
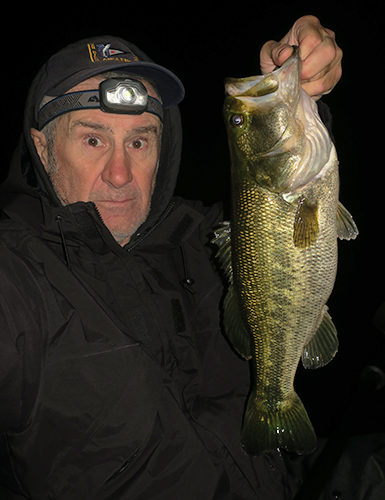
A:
[92, 56]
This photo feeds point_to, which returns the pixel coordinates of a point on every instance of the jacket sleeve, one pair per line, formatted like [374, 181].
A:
[20, 346]
[10, 355]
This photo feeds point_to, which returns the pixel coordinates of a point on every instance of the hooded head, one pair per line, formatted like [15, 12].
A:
[51, 95]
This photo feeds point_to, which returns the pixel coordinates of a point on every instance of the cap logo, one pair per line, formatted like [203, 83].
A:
[104, 52]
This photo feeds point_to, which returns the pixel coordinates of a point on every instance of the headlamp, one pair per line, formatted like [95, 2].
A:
[123, 96]
[115, 95]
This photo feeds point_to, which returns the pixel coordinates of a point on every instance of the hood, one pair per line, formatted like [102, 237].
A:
[27, 193]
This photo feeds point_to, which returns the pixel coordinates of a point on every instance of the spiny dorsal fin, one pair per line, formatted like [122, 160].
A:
[233, 324]
[223, 241]
[306, 227]
[346, 227]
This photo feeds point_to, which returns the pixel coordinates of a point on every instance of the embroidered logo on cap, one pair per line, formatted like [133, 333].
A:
[104, 52]
[107, 51]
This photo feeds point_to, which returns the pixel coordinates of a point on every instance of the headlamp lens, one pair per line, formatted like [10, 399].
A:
[125, 94]
[121, 95]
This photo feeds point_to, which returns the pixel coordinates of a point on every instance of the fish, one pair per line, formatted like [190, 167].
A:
[279, 250]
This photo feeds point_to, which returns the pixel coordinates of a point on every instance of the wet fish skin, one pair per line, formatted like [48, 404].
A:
[281, 251]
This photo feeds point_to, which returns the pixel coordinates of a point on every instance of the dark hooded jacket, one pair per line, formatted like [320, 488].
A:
[115, 379]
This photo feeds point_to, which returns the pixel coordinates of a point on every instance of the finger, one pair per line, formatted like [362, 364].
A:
[320, 54]
[325, 85]
[274, 54]
[318, 76]
[323, 58]
[308, 33]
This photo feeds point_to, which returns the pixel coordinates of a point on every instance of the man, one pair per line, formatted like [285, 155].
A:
[116, 381]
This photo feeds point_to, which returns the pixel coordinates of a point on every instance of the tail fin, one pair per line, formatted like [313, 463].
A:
[287, 426]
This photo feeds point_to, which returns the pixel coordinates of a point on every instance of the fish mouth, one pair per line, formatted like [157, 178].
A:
[262, 91]
[275, 125]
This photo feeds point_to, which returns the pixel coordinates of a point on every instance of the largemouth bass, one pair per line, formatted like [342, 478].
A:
[280, 250]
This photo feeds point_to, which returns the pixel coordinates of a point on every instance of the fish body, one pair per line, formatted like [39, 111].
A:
[281, 249]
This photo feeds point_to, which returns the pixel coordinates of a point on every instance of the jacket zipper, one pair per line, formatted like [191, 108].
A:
[98, 213]
[65, 249]
[166, 213]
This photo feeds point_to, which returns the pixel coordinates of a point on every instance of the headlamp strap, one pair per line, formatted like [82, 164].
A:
[88, 99]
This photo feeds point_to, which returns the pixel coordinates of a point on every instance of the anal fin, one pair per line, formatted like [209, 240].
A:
[322, 348]
[346, 227]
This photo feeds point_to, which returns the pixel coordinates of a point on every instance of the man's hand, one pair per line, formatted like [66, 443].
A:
[321, 56]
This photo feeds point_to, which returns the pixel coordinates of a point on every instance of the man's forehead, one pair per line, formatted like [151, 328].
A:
[111, 123]
[93, 121]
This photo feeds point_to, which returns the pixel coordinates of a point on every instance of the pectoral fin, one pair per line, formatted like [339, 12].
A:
[323, 346]
[346, 227]
[306, 227]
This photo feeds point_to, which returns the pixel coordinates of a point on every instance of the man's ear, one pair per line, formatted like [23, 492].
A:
[41, 145]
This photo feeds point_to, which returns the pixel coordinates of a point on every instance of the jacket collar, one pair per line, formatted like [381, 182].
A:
[79, 223]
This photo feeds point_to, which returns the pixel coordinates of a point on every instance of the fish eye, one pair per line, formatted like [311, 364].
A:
[237, 120]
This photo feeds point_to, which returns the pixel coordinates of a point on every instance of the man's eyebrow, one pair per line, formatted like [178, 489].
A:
[145, 130]
[89, 124]
[101, 126]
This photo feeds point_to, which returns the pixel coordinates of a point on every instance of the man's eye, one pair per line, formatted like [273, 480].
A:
[137, 144]
[93, 141]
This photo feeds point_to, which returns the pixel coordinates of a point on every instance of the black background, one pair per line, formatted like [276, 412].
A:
[204, 43]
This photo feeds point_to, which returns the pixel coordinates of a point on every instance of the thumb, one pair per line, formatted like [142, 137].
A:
[274, 54]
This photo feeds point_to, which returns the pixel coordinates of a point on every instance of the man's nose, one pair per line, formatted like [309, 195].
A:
[117, 171]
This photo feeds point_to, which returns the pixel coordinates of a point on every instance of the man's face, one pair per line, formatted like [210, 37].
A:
[109, 159]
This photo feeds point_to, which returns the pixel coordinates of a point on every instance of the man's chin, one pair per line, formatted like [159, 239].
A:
[122, 232]
[122, 237]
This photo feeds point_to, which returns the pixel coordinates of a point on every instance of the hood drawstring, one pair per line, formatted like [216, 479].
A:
[186, 281]
[65, 250]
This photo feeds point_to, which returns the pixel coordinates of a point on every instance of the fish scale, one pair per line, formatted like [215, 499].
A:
[280, 250]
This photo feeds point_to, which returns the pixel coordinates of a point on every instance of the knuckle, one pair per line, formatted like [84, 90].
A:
[310, 18]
